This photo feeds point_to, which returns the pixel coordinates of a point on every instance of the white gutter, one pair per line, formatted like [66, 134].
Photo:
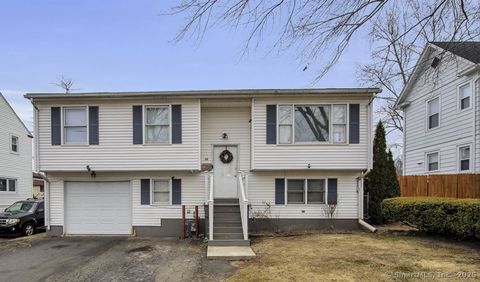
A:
[367, 226]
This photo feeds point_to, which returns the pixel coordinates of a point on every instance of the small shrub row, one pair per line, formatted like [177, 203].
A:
[446, 216]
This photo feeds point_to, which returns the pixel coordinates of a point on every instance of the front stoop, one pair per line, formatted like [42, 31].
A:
[230, 252]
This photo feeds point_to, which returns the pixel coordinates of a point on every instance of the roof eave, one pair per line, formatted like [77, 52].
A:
[208, 93]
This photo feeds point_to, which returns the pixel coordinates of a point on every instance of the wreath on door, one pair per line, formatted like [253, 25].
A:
[226, 156]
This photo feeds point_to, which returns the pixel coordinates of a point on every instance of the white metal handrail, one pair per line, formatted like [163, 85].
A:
[210, 208]
[243, 202]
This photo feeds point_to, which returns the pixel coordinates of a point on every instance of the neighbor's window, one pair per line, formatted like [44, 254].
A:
[75, 125]
[8, 185]
[296, 191]
[464, 155]
[312, 123]
[316, 191]
[339, 123]
[433, 111]
[464, 96]
[157, 124]
[14, 144]
[285, 124]
[161, 192]
[432, 161]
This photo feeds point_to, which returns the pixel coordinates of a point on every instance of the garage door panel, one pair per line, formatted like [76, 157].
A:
[98, 207]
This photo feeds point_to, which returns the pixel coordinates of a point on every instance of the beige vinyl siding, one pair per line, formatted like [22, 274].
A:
[231, 120]
[14, 165]
[116, 150]
[261, 191]
[456, 127]
[319, 156]
[193, 193]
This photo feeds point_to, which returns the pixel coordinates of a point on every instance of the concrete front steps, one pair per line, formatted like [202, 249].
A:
[227, 224]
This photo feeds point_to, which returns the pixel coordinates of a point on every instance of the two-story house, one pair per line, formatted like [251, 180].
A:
[15, 157]
[441, 109]
[125, 163]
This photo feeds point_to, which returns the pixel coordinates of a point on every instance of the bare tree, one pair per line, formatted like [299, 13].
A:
[65, 83]
[323, 29]
[399, 36]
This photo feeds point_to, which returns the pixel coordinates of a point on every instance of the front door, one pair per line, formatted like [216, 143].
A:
[225, 162]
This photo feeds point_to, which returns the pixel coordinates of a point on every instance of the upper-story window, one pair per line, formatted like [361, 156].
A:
[339, 123]
[312, 123]
[464, 158]
[464, 93]
[433, 161]
[14, 144]
[433, 113]
[75, 125]
[157, 124]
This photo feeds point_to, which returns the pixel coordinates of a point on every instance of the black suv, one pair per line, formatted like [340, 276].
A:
[23, 217]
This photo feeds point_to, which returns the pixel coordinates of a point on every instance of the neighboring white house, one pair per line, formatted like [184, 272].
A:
[15, 157]
[125, 163]
[441, 108]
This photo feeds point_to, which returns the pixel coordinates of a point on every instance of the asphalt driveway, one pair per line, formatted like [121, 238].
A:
[105, 259]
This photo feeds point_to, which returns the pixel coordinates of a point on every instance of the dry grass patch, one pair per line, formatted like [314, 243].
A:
[355, 257]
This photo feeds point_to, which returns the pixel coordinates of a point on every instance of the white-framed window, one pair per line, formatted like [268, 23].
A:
[157, 124]
[464, 94]
[295, 191]
[75, 125]
[306, 191]
[433, 161]
[312, 123]
[433, 113]
[339, 123]
[8, 185]
[464, 158]
[14, 144]
[161, 191]
[285, 124]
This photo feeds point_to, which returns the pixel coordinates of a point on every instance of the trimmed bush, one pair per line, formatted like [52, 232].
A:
[447, 216]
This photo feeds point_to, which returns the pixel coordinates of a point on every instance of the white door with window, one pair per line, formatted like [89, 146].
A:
[225, 166]
[95, 207]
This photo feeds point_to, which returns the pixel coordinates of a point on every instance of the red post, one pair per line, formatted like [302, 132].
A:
[183, 221]
[197, 225]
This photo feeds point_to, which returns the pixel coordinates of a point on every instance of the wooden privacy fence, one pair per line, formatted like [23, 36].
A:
[440, 185]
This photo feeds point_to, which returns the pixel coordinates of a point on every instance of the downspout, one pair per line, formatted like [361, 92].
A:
[369, 167]
[476, 108]
[36, 139]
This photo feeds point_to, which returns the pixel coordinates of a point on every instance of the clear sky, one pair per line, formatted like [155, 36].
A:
[128, 46]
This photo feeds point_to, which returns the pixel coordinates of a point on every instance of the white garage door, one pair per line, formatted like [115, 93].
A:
[98, 208]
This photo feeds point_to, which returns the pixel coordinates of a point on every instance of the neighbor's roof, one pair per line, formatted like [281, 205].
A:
[469, 50]
[15, 113]
[210, 93]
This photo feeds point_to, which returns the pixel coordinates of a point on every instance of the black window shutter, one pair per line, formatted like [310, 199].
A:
[177, 124]
[145, 192]
[354, 130]
[332, 191]
[137, 124]
[56, 126]
[279, 191]
[176, 191]
[271, 124]
[93, 125]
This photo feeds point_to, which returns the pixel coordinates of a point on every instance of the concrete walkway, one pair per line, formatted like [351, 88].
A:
[230, 252]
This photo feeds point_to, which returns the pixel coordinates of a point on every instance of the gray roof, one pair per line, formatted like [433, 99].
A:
[210, 93]
[469, 50]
